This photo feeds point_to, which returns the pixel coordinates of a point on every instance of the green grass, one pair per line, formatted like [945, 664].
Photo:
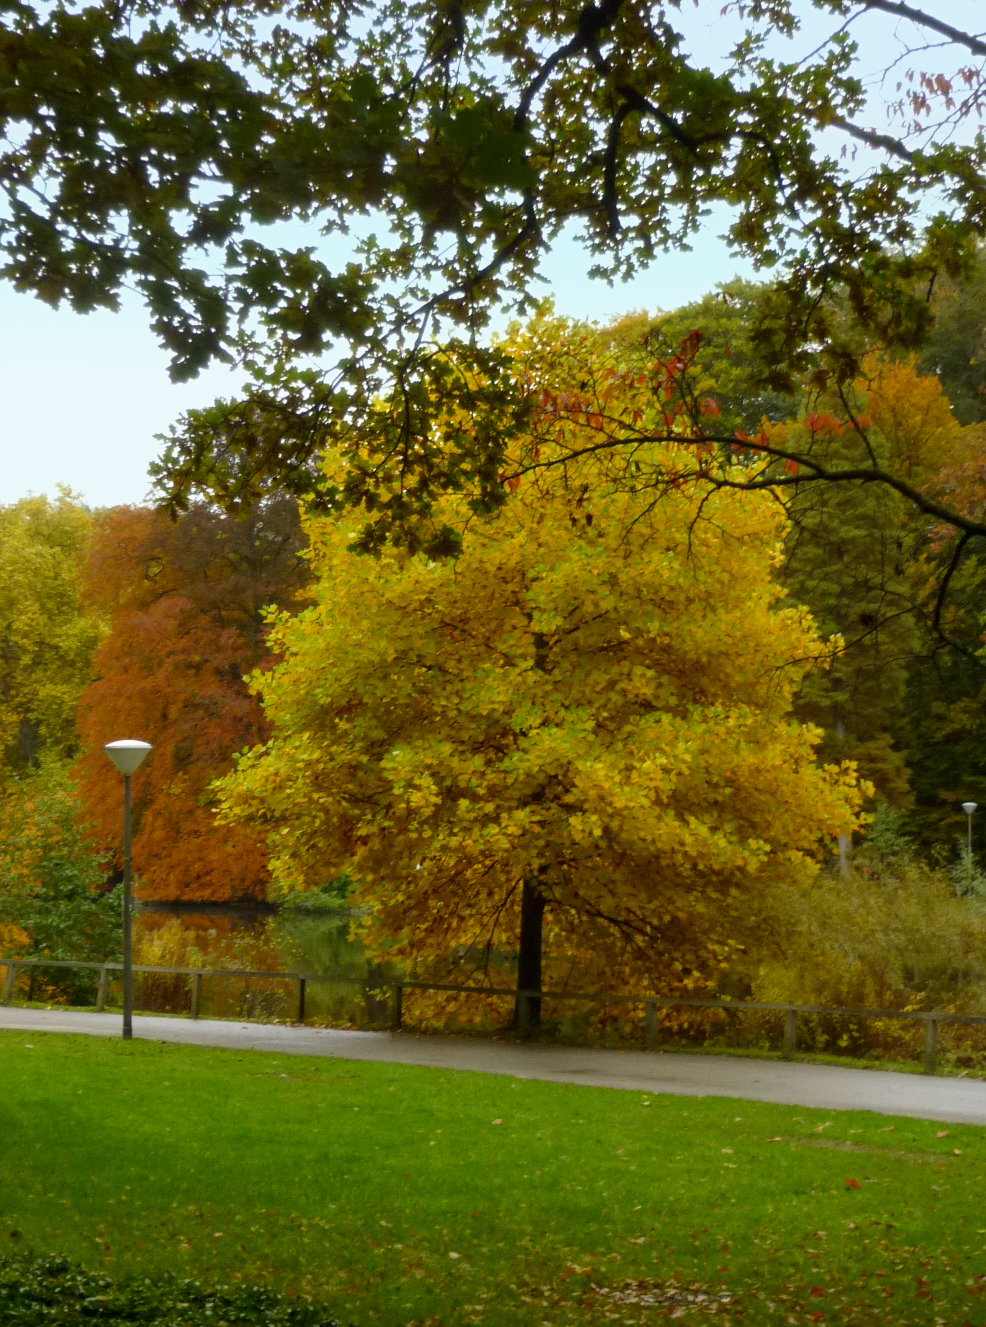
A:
[396, 1194]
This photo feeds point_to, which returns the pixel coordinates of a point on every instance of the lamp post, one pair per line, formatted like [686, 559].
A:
[968, 808]
[127, 756]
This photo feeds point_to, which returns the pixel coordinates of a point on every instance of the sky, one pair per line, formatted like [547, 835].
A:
[85, 396]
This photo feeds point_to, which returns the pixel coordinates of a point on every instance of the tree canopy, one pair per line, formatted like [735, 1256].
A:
[577, 732]
[185, 605]
[46, 641]
[314, 189]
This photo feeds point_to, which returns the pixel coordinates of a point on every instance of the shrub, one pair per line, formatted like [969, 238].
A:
[52, 1292]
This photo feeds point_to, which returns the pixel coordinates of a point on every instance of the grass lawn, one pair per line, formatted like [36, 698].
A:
[397, 1194]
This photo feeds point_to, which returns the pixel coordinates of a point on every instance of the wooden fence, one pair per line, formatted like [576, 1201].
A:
[932, 1019]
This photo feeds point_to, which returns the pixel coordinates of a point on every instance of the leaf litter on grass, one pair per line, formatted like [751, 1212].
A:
[660, 1294]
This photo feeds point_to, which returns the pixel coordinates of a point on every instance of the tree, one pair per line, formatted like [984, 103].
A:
[725, 359]
[53, 898]
[186, 604]
[46, 640]
[940, 725]
[956, 349]
[864, 562]
[574, 738]
[468, 136]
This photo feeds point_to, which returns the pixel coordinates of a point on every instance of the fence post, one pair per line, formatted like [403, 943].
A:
[8, 981]
[196, 993]
[301, 999]
[651, 1025]
[396, 1006]
[104, 977]
[790, 1032]
[930, 1044]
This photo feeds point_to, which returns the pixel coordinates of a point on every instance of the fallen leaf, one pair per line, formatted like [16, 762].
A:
[497, 1121]
[942, 1133]
[853, 1184]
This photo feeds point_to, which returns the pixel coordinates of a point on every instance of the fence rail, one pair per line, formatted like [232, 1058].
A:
[932, 1019]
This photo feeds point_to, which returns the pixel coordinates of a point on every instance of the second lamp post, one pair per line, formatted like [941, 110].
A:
[968, 808]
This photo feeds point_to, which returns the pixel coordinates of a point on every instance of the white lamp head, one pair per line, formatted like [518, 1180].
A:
[127, 755]
[969, 807]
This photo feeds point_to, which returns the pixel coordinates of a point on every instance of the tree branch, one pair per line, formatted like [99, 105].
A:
[950, 570]
[593, 20]
[611, 162]
[874, 139]
[924, 20]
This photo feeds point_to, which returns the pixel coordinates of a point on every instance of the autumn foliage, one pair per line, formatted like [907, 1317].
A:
[46, 642]
[590, 706]
[185, 606]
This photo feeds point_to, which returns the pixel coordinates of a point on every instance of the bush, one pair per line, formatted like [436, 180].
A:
[889, 934]
[50, 1292]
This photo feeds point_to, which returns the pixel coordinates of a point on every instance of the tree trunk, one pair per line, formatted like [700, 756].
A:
[529, 959]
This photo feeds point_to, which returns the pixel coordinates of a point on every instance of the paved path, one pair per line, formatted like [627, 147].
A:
[961, 1100]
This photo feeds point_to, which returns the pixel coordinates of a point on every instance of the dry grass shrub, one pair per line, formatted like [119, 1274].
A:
[222, 944]
[890, 934]
[171, 943]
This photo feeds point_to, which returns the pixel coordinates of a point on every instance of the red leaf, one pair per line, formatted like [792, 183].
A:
[853, 1184]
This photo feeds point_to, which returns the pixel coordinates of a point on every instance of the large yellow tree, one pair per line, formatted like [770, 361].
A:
[566, 754]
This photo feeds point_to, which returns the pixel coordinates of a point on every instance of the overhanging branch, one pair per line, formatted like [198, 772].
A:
[923, 20]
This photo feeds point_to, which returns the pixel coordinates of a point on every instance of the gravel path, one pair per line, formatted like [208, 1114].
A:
[961, 1100]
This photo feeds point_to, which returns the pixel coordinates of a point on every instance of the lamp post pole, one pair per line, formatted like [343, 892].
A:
[127, 756]
[128, 975]
[968, 808]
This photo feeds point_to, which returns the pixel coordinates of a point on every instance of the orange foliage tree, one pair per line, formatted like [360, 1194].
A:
[185, 603]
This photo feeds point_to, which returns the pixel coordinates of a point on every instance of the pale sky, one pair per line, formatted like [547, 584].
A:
[84, 396]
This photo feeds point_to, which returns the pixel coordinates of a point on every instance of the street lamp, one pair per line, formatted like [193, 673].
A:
[968, 808]
[127, 756]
